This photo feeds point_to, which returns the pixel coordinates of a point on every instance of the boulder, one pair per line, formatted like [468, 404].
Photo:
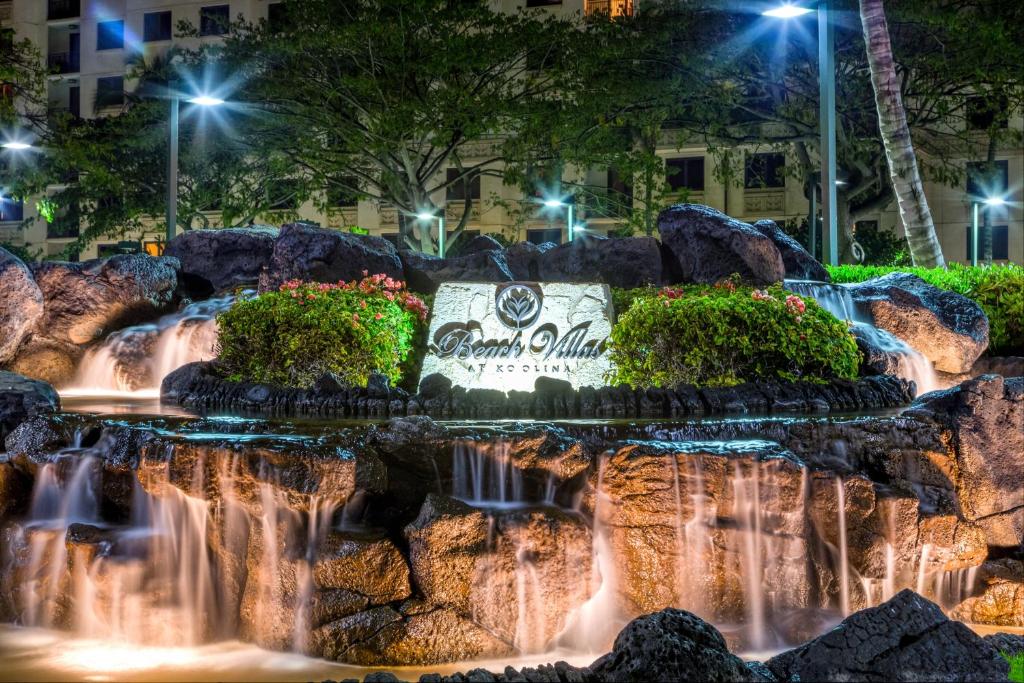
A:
[22, 398]
[984, 419]
[626, 262]
[305, 252]
[670, 645]
[1001, 598]
[906, 638]
[21, 304]
[86, 301]
[948, 328]
[221, 260]
[707, 246]
[523, 259]
[800, 265]
[477, 244]
[883, 353]
[1008, 643]
[48, 360]
[424, 273]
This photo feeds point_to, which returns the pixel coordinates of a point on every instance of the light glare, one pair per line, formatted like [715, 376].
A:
[995, 201]
[553, 203]
[425, 216]
[787, 11]
[206, 101]
[16, 145]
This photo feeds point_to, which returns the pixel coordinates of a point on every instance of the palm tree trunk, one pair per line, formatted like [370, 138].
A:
[899, 150]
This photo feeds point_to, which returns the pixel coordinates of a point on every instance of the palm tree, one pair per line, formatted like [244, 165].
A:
[899, 149]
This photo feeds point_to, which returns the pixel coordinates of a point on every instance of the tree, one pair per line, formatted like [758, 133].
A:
[899, 149]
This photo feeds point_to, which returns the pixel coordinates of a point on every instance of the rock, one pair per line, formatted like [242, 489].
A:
[1001, 598]
[477, 244]
[627, 262]
[425, 273]
[22, 398]
[984, 418]
[221, 260]
[15, 491]
[86, 301]
[476, 563]
[800, 265]
[523, 260]
[670, 645]
[435, 385]
[708, 246]
[48, 360]
[1007, 643]
[906, 638]
[21, 304]
[305, 252]
[881, 350]
[949, 329]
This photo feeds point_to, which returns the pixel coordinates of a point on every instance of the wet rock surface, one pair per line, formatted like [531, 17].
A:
[22, 398]
[221, 260]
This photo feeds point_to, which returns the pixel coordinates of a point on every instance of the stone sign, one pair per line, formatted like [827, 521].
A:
[504, 336]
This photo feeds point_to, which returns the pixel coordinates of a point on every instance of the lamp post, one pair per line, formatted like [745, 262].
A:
[430, 218]
[172, 156]
[557, 204]
[827, 117]
[975, 210]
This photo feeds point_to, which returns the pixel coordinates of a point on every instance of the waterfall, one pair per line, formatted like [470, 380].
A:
[484, 475]
[910, 363]
[136, 359]
[748, 513]
[844, 561]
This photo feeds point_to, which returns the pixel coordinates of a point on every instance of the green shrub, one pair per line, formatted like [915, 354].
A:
[999, 290]
[1016, 667]
[296, 334]
[725, 335]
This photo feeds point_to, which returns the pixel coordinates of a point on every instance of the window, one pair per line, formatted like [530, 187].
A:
[457, 190]
[110, 35]
[340, 195]
[11, 209]
[277, 17]
[214, 19]
[156, 26]
[6, 41]
[542, 3]
[109, 92]
[765, 170]
[685, 173]
[984, 113]
[544, 235]
[988, 180]
[283, 195]
[1000, 242]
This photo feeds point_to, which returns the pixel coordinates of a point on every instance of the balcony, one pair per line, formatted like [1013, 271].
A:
[64, 62]
[63, 9]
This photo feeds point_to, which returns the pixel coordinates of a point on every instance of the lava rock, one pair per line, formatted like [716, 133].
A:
[21, 304]
[985, 421]
[523, 259]
[305, 252]
[670, 645]
[627, 262]
[708, 246]
[800, 265]
[1001, 598]
[86, 301]
[425, 273]
[478, 244]
[1008, 643]
[948, 328]
[221, 260]
[906, 638]
[48, 360]
[22, 398]
[883, 353]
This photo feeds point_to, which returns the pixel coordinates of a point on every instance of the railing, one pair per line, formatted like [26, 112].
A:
[762, 202]
[63, 9]
[64, 62]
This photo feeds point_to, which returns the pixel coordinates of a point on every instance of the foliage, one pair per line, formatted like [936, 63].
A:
[728, 334]
[296, 334]
[881, 247]
[1016, 667]
[999, 290]
[24, 253]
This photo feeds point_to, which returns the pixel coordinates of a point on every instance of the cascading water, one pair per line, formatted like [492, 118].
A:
[909, 363]
[483, 475]
[136, 359]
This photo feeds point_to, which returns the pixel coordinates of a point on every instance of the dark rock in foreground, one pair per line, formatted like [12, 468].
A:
[221, 260]
[709, 246]
[907, 638]
[21, 398]
[800, 265]
[425, 273]
[627, 262]
[198, 386]
[670, 645]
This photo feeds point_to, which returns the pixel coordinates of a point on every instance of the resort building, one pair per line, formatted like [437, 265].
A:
[89, 44]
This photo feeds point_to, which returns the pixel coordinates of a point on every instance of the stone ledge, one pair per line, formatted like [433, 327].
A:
[198, 387]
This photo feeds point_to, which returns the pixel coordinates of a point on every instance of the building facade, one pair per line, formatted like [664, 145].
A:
[89, 44]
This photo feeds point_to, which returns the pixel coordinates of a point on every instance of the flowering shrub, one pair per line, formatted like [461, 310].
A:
[294, 335]
[727, 334]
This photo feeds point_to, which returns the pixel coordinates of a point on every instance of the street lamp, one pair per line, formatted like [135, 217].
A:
[426, 216]
[992, 202]
[558, 204]
[827, 115]
[172, 156]
[16, 145]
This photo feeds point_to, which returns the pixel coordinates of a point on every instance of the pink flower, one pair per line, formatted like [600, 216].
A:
[378, 316]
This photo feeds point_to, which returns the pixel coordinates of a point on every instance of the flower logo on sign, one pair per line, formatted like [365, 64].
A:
[518, 306]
